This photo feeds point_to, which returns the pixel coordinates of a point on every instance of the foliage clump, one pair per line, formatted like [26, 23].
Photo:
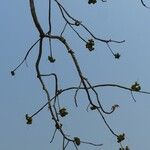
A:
[90, 44]
[77, 141]
[92, 1]
[28, 119]
[63, 112]
[120, 138]
[136, 87]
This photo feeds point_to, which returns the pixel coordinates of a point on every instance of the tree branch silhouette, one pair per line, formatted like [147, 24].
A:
[55, 109]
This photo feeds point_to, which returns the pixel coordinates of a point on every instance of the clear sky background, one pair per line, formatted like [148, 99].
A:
[119, 20]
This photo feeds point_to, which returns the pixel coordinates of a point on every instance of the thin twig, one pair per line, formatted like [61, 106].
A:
[98, 100]
[82, 88]
[75, 96]
[26, 55]
[64, 29]
[102, 40]
[53, 136]
[90, 143]
[133, 96]
[50, 26]
[108, 126]
[144, 4]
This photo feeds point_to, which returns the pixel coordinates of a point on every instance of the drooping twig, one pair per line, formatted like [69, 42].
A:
[95, 86]
[98, 100]
[108, 126]
[75, 96]
[91, 143]
[26, 55]
[144, 4]
[53, 136]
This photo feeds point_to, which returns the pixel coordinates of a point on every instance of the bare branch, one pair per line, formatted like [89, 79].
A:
[26, 55]
[144, 4]
[35, 19]
[55, 109]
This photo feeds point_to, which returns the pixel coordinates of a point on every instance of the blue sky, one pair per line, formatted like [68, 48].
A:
[21, 94]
